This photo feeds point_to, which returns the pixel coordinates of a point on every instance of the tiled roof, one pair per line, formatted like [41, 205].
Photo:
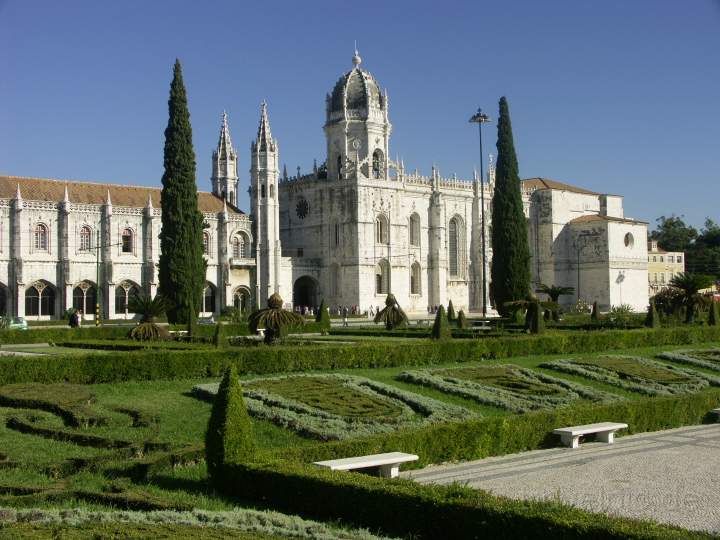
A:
[44, 189]
[595, 217]
[546, 183]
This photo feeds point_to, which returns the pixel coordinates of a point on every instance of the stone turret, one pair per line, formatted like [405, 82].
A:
[224, 162]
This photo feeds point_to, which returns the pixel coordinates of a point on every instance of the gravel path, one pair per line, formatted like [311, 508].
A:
[668, 476]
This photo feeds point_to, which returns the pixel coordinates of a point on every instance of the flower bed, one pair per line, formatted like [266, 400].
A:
[333, 407]
[508, 387]
[704, 358]
[636, 374]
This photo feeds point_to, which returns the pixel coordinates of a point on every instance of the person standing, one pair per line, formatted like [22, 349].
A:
[345, 316]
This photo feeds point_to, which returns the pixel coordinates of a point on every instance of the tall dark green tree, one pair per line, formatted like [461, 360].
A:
[510, 269]
[182, 266]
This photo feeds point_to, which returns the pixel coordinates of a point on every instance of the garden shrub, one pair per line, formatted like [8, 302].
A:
[441, 327]
[331, 407]
[399, 506]
[505, 386]
[229, 435]
[152, 364]
[714, 314]
[450, 312]
[652, 320]
[462, 322]
[595, 313]
[219, 339]
[636, 374]
[703, 358]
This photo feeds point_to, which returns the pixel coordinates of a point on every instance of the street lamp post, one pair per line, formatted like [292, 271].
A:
[481, 118]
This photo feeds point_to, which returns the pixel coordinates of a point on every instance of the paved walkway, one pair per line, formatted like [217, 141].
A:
[668, 476]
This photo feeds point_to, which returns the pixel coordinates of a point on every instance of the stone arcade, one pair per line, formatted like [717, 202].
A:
[357, 227]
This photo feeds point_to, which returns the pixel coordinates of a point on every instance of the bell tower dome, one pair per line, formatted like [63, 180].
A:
[357, 125]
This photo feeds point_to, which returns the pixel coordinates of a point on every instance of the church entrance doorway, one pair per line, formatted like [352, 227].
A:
[305, 293]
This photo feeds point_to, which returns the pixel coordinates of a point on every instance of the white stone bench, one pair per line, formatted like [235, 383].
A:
[605, 431]
[389, 464]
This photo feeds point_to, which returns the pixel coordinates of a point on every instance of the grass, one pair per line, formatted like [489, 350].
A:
[327, 395]
[179, 419]
[501, 376]
[627, 367]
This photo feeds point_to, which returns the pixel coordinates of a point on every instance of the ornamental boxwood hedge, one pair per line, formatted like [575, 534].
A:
[401, 507]
[172, 364]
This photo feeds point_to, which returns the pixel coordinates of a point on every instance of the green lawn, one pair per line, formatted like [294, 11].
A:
[165, 412]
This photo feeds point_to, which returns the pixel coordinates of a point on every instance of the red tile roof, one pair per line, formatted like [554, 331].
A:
[44, 189]
[546, 183]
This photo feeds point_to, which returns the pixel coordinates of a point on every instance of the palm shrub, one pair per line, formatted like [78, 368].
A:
[690, 285]
[441, 326]
[652, 320]
[323, 317]
[554, 293]
[714, 315]
[149, 310]
[229, 437]
[392, 314]
[461, 320]
[274, 319]
[451, 312]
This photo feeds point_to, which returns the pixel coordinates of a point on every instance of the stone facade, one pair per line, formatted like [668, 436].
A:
[355, 228]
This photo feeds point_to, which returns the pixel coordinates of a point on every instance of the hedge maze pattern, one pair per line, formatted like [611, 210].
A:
[334, 407]
[508, 387]
[636, 374]
[704, 358]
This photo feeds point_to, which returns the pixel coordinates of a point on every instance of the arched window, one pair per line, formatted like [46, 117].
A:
[40, 299]
[262, 191]
[127, 241]
[381, 230]
[206, 243]
[240, 246]
[85, 238]
[209, 298]
[41, 237]
[455, 246]
[382, 277]
[241, 299]
[415, 230]
[340, 167]
[3, 301]
[377, 164]
[415, 283]
[85, 297]
[123, 293]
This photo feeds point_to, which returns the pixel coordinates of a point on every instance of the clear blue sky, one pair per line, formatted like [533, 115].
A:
[615, 96]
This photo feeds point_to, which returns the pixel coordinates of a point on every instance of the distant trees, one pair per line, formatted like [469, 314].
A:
[510, 267]
[690, 285]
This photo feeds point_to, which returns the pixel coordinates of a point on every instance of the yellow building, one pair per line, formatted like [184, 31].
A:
[662, 267]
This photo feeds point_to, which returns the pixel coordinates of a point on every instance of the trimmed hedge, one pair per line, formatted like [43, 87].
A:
[117, 332]
[401, 507]
[500, 435]
[170, 364]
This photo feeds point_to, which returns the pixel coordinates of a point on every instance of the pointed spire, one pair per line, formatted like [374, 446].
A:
[66, 197]
[356, 60]
[225, 210]
[18, 196]
[285, 176]
[225, 148]
[149, 205]
[264, 136]
[108, 202]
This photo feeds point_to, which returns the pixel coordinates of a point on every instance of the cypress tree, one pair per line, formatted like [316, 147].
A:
[462, 320]
[441, 327]
[714, 315]
[229, 437]
[595, 313]
[510, 268]
[652, 320]
[323, 317]
[219, 337]
[451, 312]
[182, 266]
